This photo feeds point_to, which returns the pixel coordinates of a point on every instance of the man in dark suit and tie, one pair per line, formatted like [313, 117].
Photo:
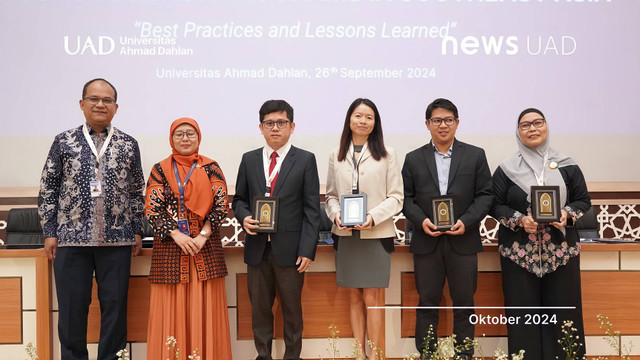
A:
[445, 166]
[278, 260]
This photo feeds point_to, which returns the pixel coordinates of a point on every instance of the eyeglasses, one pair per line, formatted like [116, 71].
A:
[181, 134]
[449, 120]
[526, 125]
[94, 100]
[281, 124]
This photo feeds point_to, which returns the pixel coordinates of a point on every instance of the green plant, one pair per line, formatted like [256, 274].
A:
[614, 339]
[333, 341]
[376, 349]
[570, 342]
[31, 351]
[123, 354]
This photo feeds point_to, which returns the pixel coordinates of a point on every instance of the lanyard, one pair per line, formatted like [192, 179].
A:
[273, 174]
[95, 152]
[540, 179]
[355, 179]
[181, 185]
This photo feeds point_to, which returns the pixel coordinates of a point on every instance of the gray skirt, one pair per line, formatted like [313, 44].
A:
[362, 263]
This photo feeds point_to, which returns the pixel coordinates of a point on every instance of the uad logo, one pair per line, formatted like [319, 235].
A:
[104, 45]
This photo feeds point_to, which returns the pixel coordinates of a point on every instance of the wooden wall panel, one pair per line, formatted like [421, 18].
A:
[615, 294]
[323, 304]
[11, 310]
[44, 320]
[489, 293]
[600, 295]
[137, 316]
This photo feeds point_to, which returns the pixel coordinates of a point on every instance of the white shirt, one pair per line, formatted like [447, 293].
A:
[266, 157]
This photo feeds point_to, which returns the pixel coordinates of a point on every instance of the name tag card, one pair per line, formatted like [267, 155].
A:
[96, 188]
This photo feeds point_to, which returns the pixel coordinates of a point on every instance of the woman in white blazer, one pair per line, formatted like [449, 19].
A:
[363, 165]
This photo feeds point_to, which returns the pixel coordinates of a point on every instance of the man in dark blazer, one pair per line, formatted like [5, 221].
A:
[278, 260]
[448, 167]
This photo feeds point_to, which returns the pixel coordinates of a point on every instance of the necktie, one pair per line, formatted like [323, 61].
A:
[274, 155]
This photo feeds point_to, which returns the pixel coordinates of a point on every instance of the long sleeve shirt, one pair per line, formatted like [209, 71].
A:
[65, 205]
[546, 250]
[169, 264]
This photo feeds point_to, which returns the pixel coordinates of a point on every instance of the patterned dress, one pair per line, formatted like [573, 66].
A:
[188, 299]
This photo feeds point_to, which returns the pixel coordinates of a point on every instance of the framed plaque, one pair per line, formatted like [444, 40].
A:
[353, 209]
[545, 203]
[266, 212]
[443, 217]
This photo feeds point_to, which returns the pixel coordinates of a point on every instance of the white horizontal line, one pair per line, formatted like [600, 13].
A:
[473, 307]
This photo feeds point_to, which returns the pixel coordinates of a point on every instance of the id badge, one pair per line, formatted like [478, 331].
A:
[96, 188]
[183, 226]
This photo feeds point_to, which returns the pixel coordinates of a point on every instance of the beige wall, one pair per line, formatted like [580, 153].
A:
[602, 159]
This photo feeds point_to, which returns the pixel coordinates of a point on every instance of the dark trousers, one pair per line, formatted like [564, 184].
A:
[74, 268]
[461, 273]
[559, 288]
[263, 280]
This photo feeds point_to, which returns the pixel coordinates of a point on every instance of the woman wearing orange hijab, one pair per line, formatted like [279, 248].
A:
[186, 201]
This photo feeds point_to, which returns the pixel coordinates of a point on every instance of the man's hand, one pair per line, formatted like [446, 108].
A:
[250, 224]
[429, 228]
[456, 229]
[51, 247]
[135, 249]
[304, 263]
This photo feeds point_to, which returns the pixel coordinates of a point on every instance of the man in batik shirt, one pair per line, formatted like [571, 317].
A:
[91, 206]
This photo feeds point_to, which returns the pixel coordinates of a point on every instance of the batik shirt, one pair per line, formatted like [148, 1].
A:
[67, 209]
[169, 264]
[548, 248]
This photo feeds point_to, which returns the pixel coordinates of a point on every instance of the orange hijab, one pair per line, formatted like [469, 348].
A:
[197, 192]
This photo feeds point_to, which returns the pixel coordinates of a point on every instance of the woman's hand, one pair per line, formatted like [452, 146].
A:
[528, 224]
[367, 225]
[338, 223]
[199, 242]
[185, 242]
[563, 220]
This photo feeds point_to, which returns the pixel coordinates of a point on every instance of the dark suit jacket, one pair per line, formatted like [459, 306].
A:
[298, 190]
[469, 185]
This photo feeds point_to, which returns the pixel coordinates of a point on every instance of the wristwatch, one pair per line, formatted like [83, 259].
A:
[204, 233]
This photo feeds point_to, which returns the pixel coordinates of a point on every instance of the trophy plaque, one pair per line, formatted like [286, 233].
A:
[443, 217]
[353, 209]
[545, 203]
[266, 212]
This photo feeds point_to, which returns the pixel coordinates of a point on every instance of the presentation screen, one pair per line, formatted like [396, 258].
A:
[218, 61]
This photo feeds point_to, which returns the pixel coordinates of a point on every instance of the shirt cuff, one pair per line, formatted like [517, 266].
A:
[512, 222]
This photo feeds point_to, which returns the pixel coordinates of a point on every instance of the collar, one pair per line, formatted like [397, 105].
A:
[93, 132]
[282, 152]
[449, 152]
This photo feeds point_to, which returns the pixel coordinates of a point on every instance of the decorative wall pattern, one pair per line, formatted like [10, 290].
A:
[615, 220]
[619, 221]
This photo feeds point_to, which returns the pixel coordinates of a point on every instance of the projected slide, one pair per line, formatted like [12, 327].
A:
[219, 60]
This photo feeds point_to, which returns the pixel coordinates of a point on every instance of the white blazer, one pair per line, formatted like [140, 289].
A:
[380, 180]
